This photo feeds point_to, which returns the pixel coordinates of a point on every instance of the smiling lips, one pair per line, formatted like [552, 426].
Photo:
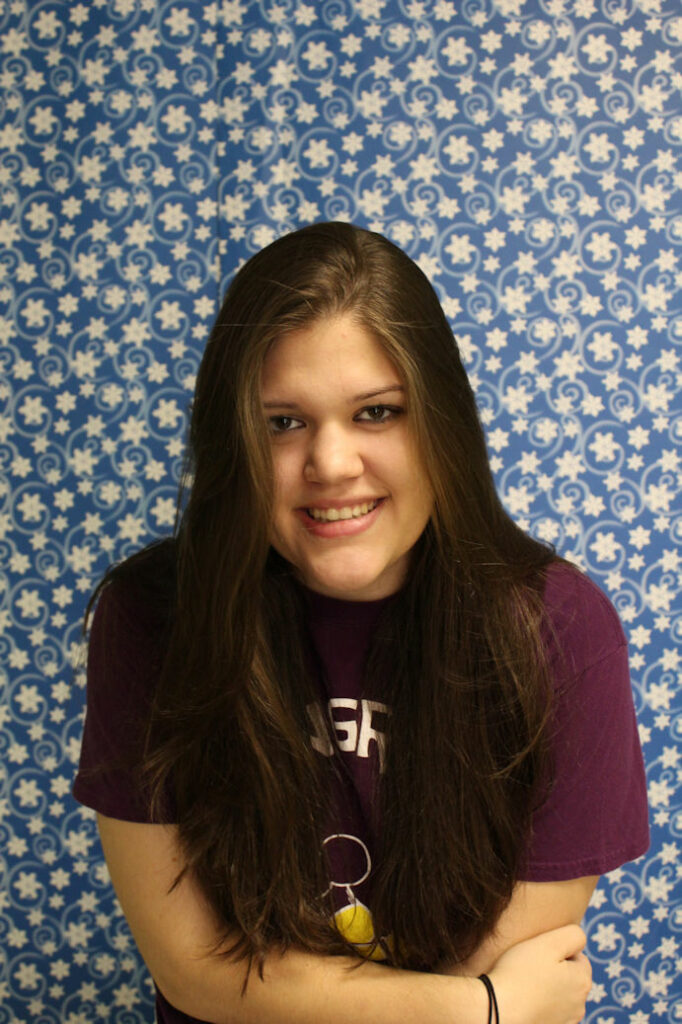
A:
[340, 521]
[331, 515]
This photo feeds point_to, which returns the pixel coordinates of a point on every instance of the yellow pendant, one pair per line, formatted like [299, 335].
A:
[355, 923]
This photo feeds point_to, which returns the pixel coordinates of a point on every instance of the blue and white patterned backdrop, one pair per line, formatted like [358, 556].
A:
[528, 154]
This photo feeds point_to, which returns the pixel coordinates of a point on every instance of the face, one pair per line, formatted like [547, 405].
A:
[351, 493]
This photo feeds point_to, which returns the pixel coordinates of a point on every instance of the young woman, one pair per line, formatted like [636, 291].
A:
[352, 737]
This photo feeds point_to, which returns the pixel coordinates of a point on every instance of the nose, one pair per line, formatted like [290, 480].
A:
[333, 456]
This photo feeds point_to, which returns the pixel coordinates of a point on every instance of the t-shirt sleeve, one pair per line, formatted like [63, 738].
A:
[124, 661]
[595, 817]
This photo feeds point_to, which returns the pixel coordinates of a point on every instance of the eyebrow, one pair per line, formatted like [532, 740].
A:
[362, 397]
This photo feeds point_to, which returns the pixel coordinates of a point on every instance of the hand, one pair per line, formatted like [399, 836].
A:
[544, 980]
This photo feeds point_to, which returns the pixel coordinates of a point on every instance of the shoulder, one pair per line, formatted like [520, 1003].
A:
[133, 613]
[127, 647]
[595, 815]
[580, 621]
[140, 591]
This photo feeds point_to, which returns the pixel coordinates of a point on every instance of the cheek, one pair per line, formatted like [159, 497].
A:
[284, 477]
[281, 512]
[405, 466]
[418, 486]
[419, 474]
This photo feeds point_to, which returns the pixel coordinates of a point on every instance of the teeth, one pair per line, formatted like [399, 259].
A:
[330, 515]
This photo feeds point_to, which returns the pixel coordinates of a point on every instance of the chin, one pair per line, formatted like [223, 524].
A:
[360, 587]
[350, 590]
[355, 576]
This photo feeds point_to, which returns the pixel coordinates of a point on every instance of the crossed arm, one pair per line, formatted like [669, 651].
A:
[176, 931]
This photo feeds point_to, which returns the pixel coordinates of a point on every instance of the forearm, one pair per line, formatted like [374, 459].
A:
[535, 907]
[176, 931]
[312, 989]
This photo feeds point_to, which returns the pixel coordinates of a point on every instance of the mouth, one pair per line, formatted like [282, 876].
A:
[332, 515]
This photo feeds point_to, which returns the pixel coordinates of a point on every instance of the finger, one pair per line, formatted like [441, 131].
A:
[584, 962]
[569, 941]
[582, 965]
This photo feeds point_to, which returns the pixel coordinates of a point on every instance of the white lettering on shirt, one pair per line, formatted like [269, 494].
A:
[349, 734]
[320, 738]
[368, 733]
[346, 730]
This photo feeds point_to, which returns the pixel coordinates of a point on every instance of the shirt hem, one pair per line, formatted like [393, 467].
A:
[596, 865]
[109, 810]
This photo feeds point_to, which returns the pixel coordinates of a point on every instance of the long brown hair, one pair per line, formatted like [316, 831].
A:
[460, 652]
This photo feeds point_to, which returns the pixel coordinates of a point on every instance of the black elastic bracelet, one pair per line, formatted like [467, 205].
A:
[492, 999]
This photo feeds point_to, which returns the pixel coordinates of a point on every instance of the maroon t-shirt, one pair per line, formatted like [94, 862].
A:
[596, 816]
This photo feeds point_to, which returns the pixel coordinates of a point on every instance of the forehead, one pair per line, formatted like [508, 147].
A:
[332, 354]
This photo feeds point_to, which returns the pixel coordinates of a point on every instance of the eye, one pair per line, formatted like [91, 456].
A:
[379, 413]
[283, 424]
